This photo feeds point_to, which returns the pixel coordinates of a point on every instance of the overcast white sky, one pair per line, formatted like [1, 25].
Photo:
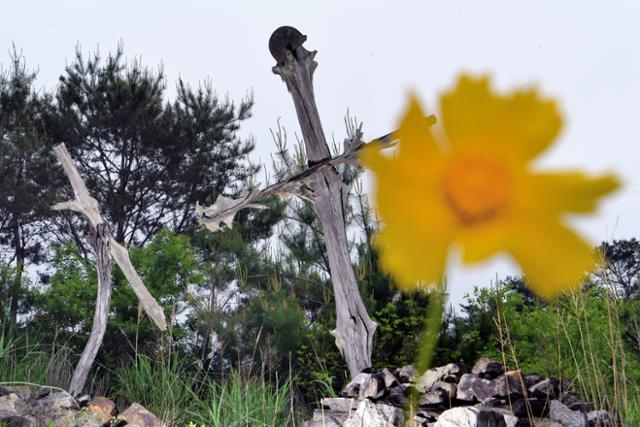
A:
[585, 53]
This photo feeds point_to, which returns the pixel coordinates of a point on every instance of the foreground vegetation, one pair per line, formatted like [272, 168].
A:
[589, 338]
[176, 391]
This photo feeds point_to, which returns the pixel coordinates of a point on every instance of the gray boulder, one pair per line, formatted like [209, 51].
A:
[368, 414]
[459, 417]
[487, 368]
[448, 373]
[599, 418]
[565, 416]
[12, 406]
[465, 387]
[406, 374]
[496, 417]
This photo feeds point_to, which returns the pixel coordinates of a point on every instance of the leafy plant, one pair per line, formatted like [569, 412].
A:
[169, 268]
[586, 337]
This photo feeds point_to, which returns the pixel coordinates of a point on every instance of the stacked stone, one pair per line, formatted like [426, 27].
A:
[22, 407]
[454, 396]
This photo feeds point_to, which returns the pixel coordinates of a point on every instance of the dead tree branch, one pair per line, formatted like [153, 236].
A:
[222, 212]
[102, 244]
[88, 206]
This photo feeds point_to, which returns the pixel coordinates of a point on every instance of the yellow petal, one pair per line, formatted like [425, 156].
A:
[417, 229]
[520, 125]
[552, 257]
[392, 167]
[414, 258]
[371, 157]
[415, 202]
[402, 207]
[483, 241]
[559, 192]
[416, 140]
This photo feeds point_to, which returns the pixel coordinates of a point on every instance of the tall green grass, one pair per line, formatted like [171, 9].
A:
[242, 401]
[176, 391]
[180, 393]
[164, 388]
[584, 338]
[24, 359]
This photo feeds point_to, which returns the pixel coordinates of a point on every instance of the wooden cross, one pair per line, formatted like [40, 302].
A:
[106, 248]
[295, 65]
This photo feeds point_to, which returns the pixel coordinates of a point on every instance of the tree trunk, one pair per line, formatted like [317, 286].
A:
[354, 330]
[17, 280]
[101, 314]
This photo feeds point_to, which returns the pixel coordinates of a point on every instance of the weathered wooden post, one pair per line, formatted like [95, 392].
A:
[88, 206]
[101, 240]
[106, 248]
[354, 330]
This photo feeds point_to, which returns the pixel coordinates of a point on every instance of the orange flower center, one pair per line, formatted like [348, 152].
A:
[476, 188]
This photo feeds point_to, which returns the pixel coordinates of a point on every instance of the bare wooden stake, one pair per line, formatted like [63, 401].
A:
[106, 248]
[102, 244]
[88, 206]
[354, 329]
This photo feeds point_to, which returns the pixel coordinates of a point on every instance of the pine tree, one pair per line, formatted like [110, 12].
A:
[27, 177]
[146, 160]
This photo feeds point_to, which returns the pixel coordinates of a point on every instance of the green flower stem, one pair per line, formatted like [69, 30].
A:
[431, 329]
[430, 333]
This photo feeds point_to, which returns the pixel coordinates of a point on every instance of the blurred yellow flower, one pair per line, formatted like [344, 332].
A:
[473, 187]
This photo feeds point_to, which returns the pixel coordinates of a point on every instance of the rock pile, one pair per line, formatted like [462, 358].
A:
[22, 407]
[453, 396]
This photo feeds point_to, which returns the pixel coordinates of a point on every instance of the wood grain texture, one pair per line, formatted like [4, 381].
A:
[102, 244]
[354, 328]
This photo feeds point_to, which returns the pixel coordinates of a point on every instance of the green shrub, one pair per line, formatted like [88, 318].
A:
[589, 338]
